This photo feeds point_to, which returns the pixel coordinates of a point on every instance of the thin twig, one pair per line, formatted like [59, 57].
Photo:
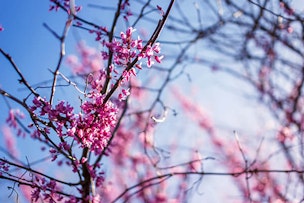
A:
[22, 80]
[61, 54]
[151, 41]
[246, 164]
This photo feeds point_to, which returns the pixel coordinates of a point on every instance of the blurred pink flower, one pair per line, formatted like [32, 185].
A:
[10, 141]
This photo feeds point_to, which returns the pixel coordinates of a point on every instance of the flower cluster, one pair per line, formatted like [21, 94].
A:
[127, 49]
[62, 115]
[46, 189]
[127, 52]
[94, 124]
[91, 128]
[151, 54]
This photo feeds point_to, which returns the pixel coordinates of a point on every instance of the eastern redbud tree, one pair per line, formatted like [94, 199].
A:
[117, 119]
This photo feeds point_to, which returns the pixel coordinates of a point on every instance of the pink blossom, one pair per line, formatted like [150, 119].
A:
[4, 167]
[150, 54]
[156, 48]
[66, 4]
[96, 199]
[290, 29]
[14, 115]
[128, 14]
[161, 10]
[196, 163]
[158, 58]
[127, 49]
[91, 128]
[72, 59]
[83, 160]
[150, 63]
[94, 131]
[124, 94]
[44, 189]
[35, 194]
[10, 142]
[125, 3]
[138, 65]
[149, 51]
